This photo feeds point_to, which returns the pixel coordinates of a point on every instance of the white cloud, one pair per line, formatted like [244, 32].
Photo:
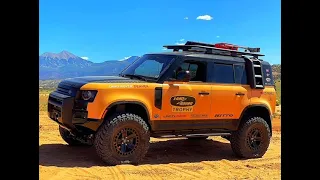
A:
[218, 36]
[205, 17]
[181, 39]
[164, 49]
[85, 58]
[125, 58]
[186, 18]
[177, 43]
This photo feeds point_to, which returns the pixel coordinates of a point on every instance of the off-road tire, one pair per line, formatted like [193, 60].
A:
[65, 134]
[105, 139]
[240, 142]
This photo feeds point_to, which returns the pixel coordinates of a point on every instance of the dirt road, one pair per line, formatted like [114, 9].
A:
[166, 159]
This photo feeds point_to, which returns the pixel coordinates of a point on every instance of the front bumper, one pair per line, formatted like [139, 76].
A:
[63, 110]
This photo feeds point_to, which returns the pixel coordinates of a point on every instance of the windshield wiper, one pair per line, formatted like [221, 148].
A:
[136, 76]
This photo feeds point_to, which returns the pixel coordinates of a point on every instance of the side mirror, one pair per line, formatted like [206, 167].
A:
[183, 76]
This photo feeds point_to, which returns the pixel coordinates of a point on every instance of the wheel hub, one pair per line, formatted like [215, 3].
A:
[254, 139]
[126, 141]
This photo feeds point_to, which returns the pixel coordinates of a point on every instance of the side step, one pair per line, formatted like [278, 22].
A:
[192, 135]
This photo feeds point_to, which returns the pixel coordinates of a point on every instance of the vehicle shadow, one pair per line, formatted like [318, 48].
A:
[161, 152]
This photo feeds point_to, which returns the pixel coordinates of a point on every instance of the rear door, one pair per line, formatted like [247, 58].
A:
[230, 91]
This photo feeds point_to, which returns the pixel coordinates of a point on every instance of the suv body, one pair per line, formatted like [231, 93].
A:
[212, 94]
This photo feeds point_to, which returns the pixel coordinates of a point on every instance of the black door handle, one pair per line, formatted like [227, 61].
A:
[204, 93]
[239, 93]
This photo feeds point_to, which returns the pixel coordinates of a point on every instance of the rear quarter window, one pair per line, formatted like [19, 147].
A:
[223, 73]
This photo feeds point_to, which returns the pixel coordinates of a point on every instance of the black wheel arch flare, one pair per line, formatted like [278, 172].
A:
[129, 102]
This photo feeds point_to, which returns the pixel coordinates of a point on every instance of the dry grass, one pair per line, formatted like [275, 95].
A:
[43, 100]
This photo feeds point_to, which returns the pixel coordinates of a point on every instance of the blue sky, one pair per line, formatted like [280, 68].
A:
[111, 30]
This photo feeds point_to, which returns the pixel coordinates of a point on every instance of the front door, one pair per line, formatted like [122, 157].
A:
[184, 102]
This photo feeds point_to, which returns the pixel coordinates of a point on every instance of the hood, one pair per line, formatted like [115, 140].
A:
[80, 81]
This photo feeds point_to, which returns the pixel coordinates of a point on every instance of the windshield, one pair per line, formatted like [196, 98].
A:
[148, 66]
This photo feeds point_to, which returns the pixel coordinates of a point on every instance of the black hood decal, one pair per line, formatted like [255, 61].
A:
[80, 81]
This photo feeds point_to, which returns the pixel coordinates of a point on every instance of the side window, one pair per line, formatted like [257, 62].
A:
[185, 66]
[193, 70]
[223, 73]
[240, 74]
[190, 67]
[197, 70]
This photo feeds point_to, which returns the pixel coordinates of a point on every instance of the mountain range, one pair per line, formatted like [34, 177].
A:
[66, 65]
[57, 66]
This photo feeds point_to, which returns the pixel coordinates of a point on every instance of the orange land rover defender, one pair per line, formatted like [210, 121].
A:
[195, 91]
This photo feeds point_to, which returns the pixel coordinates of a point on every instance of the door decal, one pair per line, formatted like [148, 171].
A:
[182, 103]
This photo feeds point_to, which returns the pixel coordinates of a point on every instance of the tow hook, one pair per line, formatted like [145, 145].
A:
[85, 139]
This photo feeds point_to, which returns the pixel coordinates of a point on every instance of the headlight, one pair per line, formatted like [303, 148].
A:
[88, 95]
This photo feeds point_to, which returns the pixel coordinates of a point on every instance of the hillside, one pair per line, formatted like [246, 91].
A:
[65, 65]
[276, 71]
[48, 84]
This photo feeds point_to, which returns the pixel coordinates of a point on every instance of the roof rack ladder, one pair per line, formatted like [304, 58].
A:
[257, 72]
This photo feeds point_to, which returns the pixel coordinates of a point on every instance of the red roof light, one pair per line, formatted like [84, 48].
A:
[226, 46]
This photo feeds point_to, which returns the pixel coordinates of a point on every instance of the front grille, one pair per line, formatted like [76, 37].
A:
[54, 106]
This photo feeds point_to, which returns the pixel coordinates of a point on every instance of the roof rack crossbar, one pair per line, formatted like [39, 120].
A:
[208, 48]
[199, 43]
[218, 45]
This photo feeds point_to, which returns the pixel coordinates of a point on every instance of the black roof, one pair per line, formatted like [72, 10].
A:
[205, 56]
[198, 55]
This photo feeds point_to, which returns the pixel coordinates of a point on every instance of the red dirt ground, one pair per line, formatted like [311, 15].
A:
[166, 159]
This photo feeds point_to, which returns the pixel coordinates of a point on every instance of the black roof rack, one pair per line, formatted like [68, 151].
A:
[212, 49]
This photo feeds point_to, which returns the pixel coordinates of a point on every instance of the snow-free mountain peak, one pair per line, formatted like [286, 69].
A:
[61, 55]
